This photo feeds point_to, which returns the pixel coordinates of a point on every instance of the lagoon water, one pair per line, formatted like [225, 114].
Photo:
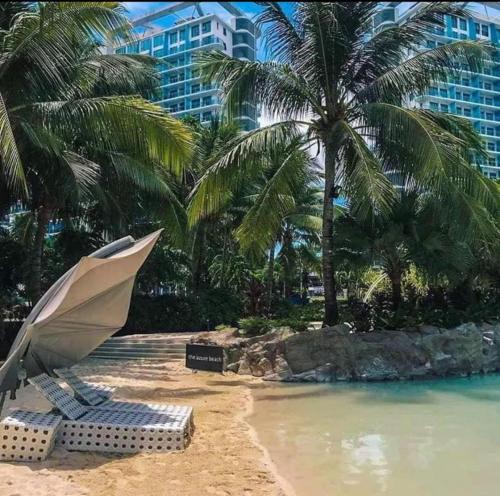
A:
[425, 438]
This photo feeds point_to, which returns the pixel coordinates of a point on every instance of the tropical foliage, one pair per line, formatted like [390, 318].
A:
[352, 186]
[331, 82]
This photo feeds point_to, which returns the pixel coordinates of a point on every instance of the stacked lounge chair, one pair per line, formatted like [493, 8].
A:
[149, 428]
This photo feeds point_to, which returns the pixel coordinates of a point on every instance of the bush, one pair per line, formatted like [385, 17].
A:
[176, 313]
[255, 326]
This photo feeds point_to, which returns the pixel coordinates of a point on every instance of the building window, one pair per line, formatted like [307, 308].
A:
[207, 40]
[459, 110]
[224, 32]
[173, 93]
[120, 50]
[173, 108]
[454, 22]
[491, 146]
[444, 107]
[206, 116]
[487, 86]
[173, 37]
[146, 45]
[195, 73]
[488, 101]
[466, 97]
[195, 30]
[458, 95]
[182, 35]
[491, 162]
[465, 82]
[207, 100]
[490, 131]
[485, 30]
[195, 103]
[467, 112]
[158, 40]
[493, 175]
[134, 48]
[195, 88]
[433, 106]
[206, 27]
[443, 93]
[463, 24]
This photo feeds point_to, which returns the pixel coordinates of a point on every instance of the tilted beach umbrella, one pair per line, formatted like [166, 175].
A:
[85, 306]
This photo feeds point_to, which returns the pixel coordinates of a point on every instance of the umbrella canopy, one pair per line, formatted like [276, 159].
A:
[80, 311]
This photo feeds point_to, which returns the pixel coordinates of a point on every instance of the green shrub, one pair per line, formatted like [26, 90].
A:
[296, 325]
[177, 313]
[255, 326]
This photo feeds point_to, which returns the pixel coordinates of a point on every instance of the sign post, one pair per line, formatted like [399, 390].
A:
[205, 357]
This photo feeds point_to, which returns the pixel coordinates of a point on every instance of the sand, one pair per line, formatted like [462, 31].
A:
[224, 458]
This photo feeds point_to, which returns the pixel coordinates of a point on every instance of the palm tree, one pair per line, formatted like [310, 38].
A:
[416, 233]
[73, 119]
[211, 141]
[345, 87]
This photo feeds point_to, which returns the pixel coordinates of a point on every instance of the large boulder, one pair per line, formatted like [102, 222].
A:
[337, 354]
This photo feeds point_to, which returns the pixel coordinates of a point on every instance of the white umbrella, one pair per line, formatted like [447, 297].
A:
[89, 303]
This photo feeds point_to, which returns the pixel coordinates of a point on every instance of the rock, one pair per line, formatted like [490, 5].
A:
[244, 368]
[233, 367]
[428, 329]
[335, 353]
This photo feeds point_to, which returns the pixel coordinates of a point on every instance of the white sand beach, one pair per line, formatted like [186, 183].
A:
[224, 457]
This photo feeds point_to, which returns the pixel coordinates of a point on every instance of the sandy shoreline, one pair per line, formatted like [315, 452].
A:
[225, 457]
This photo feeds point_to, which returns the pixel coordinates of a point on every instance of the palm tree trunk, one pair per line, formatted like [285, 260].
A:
[199, 257]
[328, 263]
[396, 290]
[270, 279]
[42, 218]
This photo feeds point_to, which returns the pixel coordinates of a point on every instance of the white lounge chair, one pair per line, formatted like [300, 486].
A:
[90, 397]
[86, 428]
[28, 436]
[90, 394]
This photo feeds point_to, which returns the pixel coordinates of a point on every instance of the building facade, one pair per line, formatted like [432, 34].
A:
[472, 95]
[182, 90]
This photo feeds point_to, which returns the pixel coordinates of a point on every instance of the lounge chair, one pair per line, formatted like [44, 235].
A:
[85, 428]
[28, 436]
[89, 396]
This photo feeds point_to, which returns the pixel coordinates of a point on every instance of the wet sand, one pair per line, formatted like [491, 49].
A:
[224, 457]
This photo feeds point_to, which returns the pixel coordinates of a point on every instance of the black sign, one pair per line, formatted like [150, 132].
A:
[205, 357]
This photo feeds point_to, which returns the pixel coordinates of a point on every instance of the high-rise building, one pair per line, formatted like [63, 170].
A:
[174, 34]
[472, 95]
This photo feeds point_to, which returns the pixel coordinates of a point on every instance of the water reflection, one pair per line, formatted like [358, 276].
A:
[430, 438]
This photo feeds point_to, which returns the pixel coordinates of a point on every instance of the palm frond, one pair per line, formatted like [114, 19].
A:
[241, 163]
[11, 165]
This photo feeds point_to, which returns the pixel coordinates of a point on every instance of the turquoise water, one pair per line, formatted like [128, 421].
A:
[432, 438]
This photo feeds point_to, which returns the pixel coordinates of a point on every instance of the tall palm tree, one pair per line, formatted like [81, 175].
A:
[284, 209]
[71, 116]
[345, 86]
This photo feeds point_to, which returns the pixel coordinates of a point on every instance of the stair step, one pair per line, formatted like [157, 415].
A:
[103, 356]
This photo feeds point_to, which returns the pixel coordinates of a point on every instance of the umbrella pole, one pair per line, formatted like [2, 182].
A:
[2, 400]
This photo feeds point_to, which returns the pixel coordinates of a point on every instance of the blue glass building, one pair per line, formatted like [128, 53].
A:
[472, 95]
[188, 30]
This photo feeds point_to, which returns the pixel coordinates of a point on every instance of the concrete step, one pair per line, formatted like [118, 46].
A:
[168, 348]
[104, 356]
[139, 354]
